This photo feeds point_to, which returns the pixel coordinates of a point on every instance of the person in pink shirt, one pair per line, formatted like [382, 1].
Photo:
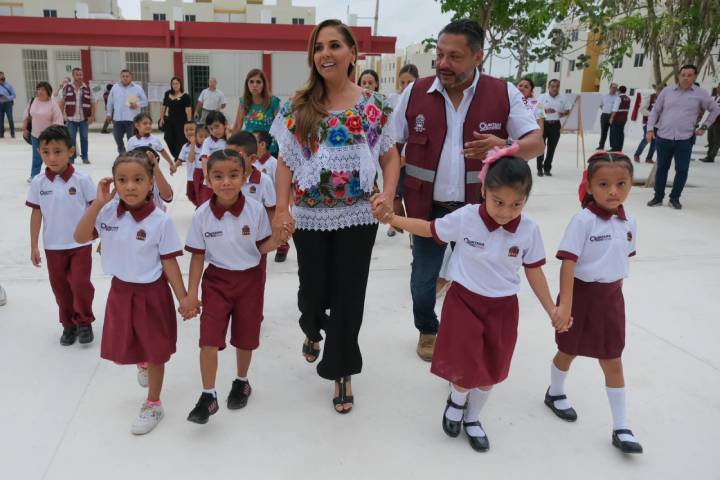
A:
[41, 112]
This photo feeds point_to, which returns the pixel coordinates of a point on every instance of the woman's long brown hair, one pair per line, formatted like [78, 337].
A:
[308, 101]
[247, 96]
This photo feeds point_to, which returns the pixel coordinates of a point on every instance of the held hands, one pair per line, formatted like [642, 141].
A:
[283, 226]
[104, 195]
[561, 319]
[35, 257]
[189, 307]
[382, 208]
[477, 149]
[173, 167]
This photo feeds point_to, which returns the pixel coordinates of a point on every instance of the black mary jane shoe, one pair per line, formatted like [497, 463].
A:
[567, 414]
[479, 444]
[623, 446]
[68, 336]
[342, 397]
[451, 427]
[309, 350]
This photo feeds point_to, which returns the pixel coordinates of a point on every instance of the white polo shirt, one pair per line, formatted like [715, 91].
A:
[62, 200]
[450, 173]
[267, 165]
[209, 146]
[487, 256]
[261, 188]
[184, 153]
[147, 141]
[559, 103]
[600, 244]
[212, 99]
[607, 102]
[135, 241]
[229, 237]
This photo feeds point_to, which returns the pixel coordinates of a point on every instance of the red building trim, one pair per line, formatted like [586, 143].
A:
[267, 68]
[178, 64]
[86, 64]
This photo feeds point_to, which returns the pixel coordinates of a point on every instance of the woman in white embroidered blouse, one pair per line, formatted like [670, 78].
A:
[333, 138]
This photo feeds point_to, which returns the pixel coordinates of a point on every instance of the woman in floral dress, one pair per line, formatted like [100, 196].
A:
[333, 137]
[258, 107]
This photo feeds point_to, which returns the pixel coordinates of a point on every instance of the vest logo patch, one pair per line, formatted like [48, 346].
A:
[72, 191]
[629, 236]
[420, 123]
[253, 189]
[246, 230]
[140, 235]
[485, 126]
[513, 252]
[473, 243]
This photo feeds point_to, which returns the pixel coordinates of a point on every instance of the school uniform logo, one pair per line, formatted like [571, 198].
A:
[264, 170]
[600, 238]
[45, 192]
[486, 126]
[420, 123]
[629, 236]
[473, 243]
[109, 228]
[213, 234]
[253, 189]
[513, 252]
[72, 191]
[140, 235]
[246, 230]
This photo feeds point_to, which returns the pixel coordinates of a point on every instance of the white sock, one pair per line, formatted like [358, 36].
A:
[616, 397]
[457, 398]
[476, 401]
[557, 386]
[211, 391]
[242, 379]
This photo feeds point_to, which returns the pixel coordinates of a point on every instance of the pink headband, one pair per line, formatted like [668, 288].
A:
[496, 154]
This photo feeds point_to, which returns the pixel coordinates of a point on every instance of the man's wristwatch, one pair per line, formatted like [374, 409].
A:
[703, 127]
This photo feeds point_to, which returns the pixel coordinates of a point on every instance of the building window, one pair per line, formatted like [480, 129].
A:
[433, 64]
[618, 64]
[632, 92]
[35, 67]
[137, 63]
[571, 65]
[556, 67]
[574, 35]
[273, 20]
[298, 21]
[568, 90]
[190, 18]
[50, 13]
[639, 60]
[158, 16]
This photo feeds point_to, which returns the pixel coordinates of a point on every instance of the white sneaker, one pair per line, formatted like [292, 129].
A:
[142, 376]
[3, 296]
[149, 417]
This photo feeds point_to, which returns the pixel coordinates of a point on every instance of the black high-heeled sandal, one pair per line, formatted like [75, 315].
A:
[308, 349]
[343, 397]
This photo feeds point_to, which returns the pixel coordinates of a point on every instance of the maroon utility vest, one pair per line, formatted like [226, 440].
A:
[427, 127]
[621, 115]
[653, 97]
[71, 100]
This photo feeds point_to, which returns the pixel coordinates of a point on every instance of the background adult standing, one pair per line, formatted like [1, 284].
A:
[77, 104]
[258, 107]
[713, 132]
[7, 100]
[332, 135]
[606, 106]
[124, 102]
[448, 123]
[210, 100]
[555, 106]
[176, 110]
[44, 112]
[648, 102]
[527, 88]
[618, 119]
[675, 114]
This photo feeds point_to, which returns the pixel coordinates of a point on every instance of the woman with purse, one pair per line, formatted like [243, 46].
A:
[178, 107]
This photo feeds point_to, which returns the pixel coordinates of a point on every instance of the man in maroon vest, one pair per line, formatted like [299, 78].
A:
[79, 110]
[448, 123]
[645, 108]
[618, 119]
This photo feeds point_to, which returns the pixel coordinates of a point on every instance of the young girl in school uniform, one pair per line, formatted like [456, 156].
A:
[230, 231]
[140, 246]
[143, 138]
[162, 192]
[190, 154]
[594, 253]
[479, 323]
[216, 126]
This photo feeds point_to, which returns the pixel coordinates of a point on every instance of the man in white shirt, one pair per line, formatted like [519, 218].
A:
[126, 100]
[210, 100]
[555, 106]
[713, 133]
[606, 106]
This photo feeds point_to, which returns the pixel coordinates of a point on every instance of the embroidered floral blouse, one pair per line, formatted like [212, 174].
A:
[333, 183]
[259, 118]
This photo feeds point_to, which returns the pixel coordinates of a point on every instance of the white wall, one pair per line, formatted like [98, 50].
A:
[289, 72]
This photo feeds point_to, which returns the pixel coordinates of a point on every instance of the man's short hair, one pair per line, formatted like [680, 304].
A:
[554, 80]
[622, 89]
[76, 69]
[689, 66]
[124, 70]
[474, 34]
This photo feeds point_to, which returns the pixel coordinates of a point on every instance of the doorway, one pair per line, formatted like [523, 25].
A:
[198, 76]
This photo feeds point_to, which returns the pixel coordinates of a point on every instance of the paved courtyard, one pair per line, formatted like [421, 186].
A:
[66, 414]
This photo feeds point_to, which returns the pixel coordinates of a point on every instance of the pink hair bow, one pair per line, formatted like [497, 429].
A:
[496, 154]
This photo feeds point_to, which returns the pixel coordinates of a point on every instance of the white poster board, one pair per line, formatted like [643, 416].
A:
[97, 89]
[156, 91]
[590, 110]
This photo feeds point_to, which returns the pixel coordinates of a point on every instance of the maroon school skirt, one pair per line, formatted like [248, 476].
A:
[202, 191]
[598, 312]
[140, 323]
[476, 339]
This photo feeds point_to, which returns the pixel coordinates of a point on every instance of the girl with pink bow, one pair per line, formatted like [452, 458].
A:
[479, 319]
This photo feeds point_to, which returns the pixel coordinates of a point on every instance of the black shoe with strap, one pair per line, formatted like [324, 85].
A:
[452, 427]
[479, 444]
[624, 446]
[310, 350]
[207, 405]
[239, 394]
[342, 397]
[567, 414]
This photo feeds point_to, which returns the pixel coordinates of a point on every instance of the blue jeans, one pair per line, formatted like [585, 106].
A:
[73, 128]
[122, 128]
[681, 151]
[6, 110]
[36, 158]
[643, 143]
[427, 261]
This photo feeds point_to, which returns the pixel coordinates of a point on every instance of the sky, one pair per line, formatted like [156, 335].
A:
[410, 21]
